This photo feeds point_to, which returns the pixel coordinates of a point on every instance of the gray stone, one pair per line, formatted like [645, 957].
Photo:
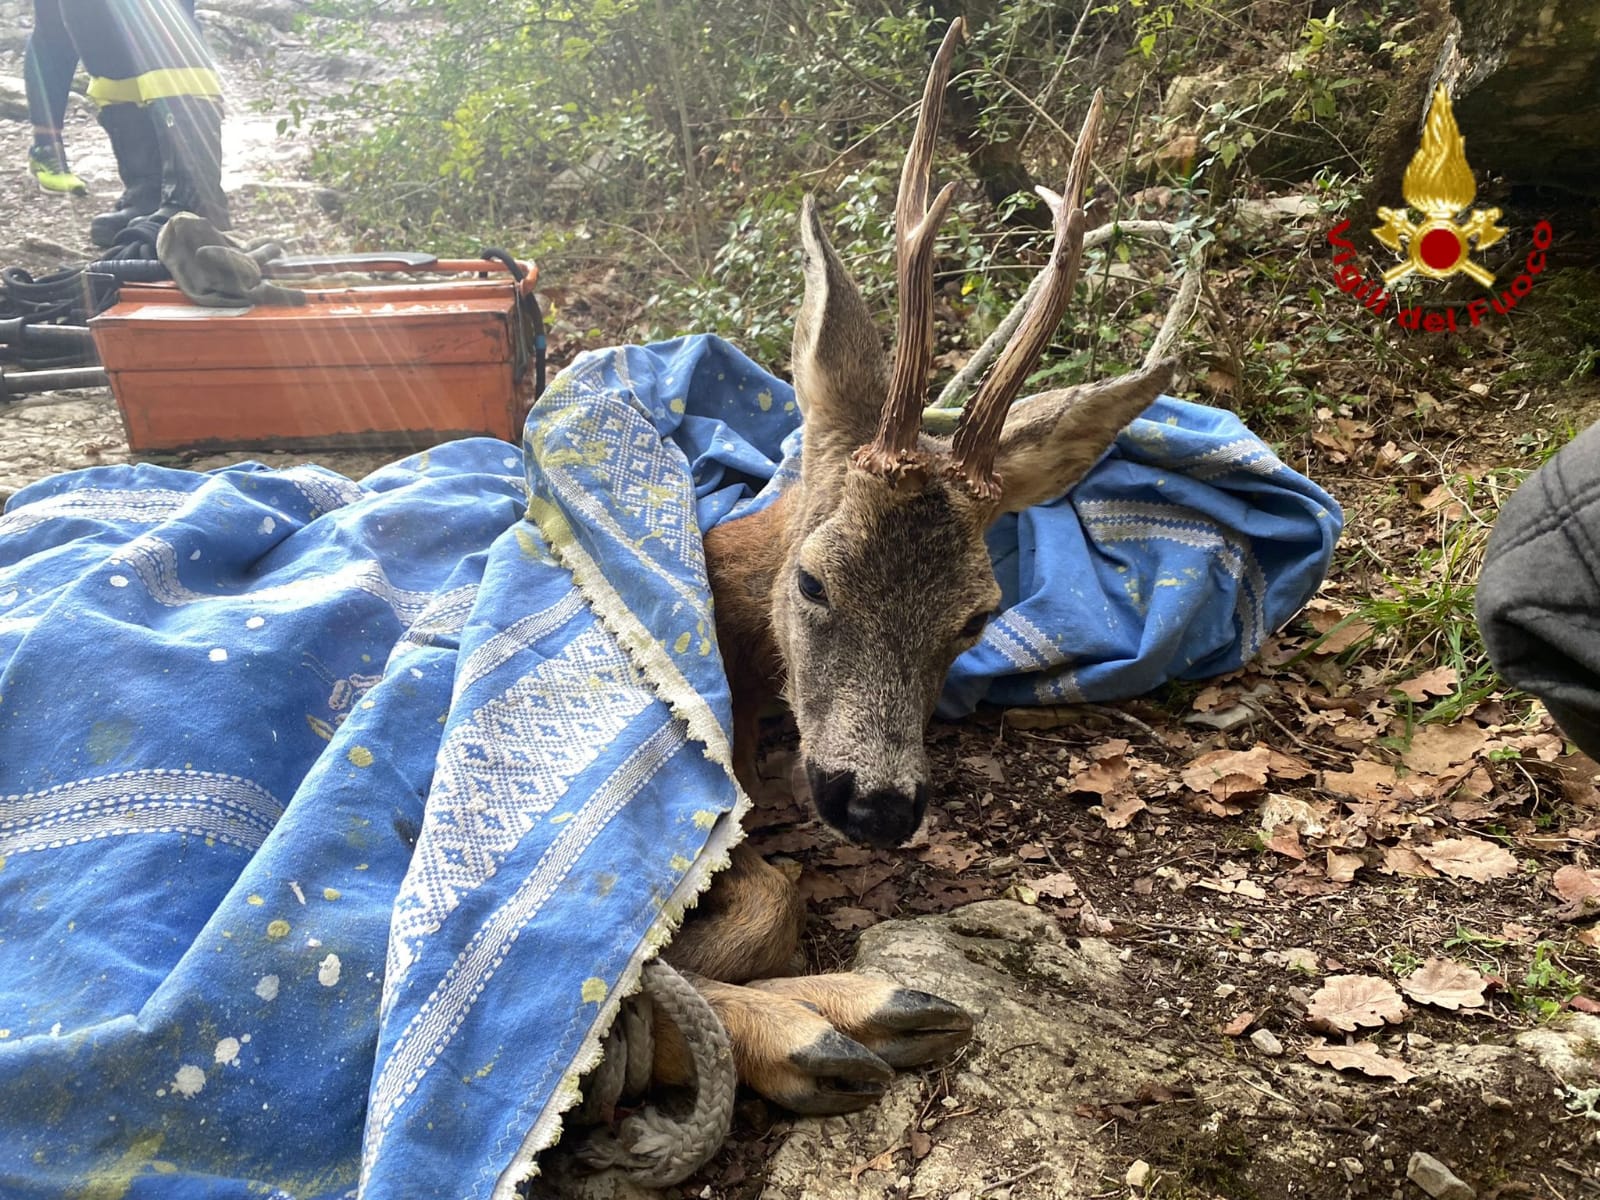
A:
[1052, 1047]
[1438, 1180]
[1523, 80]
[1267, 1042]
[13, 99]
[1569, 1050]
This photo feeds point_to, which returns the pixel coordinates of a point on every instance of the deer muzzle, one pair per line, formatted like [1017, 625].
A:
[881, 817]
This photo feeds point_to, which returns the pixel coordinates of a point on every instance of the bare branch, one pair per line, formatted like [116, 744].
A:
[1178, 314]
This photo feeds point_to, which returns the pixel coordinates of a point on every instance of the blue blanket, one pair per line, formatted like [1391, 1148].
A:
[336, 819]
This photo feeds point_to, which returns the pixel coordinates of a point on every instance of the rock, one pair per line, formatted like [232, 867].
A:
[1522, 77]
[278, 14]
[13, 99]
[1278, 810]
[1051, 1048]
[1138, 1174]
[1433, 1177]
[1267, 1042]
[1226, 720]
[1569, 1050]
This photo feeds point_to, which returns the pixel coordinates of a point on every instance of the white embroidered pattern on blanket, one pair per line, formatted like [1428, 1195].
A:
[1108, 521]
[155, 562]
[97, 504]
[503, 767]
[226, 808]
[451, 999]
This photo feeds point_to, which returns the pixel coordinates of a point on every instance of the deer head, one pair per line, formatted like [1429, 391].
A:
[885, 576]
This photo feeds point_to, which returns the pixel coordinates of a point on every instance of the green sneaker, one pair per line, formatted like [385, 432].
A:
[49, 167]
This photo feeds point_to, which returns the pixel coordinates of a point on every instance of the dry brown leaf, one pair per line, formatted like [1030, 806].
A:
[1119, 812]
[1363, 1057]
[1091, 923]
[986, 765]
[1441, 681]
[950, 853]
[851, 919]
[1442, 497]
[816, 887]
[1285, 840]
[1403, 860]
[1350, 1002]
[1239, 1024]
[1342, 868]
[1575, 885]
[1581, 891]
[1102, 777]
[1365, 780]
[1287, 766]
[1043, 716]
[1323, 615]
[1228, 773]
[1445, 984]
[1469, 858]
[1437, 747]
[1058, 886]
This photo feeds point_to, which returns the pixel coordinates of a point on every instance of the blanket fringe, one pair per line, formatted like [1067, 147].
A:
[686, 704]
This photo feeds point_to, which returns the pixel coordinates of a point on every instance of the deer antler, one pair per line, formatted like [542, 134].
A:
[978, 435]
[893, 451]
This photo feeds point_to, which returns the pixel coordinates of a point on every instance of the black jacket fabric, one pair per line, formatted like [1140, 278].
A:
[1538, 598]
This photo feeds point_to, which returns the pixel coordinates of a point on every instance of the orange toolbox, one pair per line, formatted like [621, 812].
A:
[401, 366]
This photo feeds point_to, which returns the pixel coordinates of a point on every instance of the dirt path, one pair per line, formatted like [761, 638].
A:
[264, 174]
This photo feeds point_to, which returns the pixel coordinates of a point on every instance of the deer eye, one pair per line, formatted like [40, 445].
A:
[811, 587]
[975, 624]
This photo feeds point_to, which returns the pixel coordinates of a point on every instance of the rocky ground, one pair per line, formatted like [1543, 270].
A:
[1324, 928]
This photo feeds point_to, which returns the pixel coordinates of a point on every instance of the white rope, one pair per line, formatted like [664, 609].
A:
[652, 1147]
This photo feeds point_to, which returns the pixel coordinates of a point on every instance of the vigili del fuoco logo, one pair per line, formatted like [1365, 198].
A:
[1444, 242]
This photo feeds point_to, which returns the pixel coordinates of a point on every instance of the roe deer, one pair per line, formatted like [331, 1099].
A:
[851, 595]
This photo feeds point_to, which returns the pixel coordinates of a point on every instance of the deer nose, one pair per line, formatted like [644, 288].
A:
[883, 817]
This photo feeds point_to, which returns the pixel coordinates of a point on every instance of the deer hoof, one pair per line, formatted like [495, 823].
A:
[913, 1028]
[902, 1026]
[832, 1074]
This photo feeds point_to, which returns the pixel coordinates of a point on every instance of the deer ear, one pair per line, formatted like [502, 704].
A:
[840, 377]
[1050, 441]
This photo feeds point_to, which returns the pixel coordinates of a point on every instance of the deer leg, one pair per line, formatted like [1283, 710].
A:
[782, 1049]
[746, 926]
[902, 1026]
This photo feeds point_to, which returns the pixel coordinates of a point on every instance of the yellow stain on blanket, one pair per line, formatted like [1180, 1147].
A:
[278, 929]
[360, 756]
[594, 990]
[113, 1181]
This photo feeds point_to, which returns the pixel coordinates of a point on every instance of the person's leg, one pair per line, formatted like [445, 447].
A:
[47, 67]
[159, 90]
[1538, 598]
